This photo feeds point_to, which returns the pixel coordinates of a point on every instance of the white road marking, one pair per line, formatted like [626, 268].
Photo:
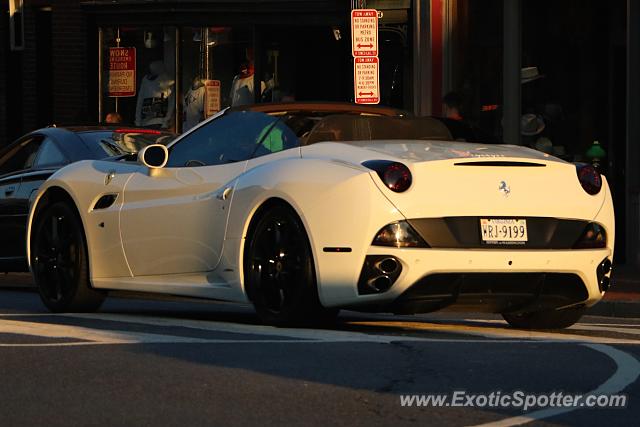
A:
[627, 372]
[52, 330]
[483, 330]
[628, 329]
[596, 328]
[180, 341]
[627, 325]
[472, 327]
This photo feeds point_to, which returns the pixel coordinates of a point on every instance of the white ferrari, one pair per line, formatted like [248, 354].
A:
[304, 209]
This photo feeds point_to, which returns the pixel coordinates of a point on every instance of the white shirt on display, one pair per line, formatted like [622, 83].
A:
[242, 90]
[193, 107]
[156, 101]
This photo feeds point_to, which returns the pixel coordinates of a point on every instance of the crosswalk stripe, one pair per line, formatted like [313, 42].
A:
[481, 329]
[493, 332]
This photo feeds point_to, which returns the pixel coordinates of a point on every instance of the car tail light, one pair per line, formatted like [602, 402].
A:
[400, 235]
[589, 178]
[139, 131]
[396, 176]
[593, 237]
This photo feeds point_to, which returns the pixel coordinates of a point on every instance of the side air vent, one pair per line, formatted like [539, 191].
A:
[105, 201]
[503, 164]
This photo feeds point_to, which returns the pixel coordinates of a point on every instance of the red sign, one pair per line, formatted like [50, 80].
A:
[212, 103]
[122, 71]
[365, 80]
[364, 32]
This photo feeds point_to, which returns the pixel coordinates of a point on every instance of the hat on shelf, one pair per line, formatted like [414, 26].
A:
[530, 124]
[529, 74]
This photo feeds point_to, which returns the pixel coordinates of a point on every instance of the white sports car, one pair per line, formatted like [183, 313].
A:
[303, 209]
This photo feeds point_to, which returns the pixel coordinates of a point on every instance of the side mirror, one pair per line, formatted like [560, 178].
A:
[154, 156]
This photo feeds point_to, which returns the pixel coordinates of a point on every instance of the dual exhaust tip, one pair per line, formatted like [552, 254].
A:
[380, 273]
[604, 268]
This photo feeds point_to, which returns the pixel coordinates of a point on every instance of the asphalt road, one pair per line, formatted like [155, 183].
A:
[143, 362]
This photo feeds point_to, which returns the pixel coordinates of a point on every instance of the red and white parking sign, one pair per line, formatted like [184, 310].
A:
[212, 99]
[366, 81]
[122, 71]
[364, 32]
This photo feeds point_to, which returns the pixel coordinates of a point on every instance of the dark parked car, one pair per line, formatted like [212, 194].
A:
[28, 162]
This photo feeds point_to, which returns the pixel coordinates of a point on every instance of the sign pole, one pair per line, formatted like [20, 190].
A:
[117, 45]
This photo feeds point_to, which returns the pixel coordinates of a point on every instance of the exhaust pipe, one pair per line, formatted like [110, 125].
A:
[604, 282]
[605, 266]
[378, 274]
[387, 265]
[380, 283]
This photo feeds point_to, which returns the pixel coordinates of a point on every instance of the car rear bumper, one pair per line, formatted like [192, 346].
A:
[492, 292]
[484, 280]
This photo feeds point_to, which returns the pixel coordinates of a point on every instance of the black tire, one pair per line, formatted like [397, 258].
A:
[60, 263]
[548, 319]
[279, 271]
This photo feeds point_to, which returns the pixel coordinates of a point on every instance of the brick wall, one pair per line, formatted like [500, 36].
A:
[4, 47]
[29, 93]
[69, 62]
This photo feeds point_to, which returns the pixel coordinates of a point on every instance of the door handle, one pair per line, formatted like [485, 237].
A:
[225, 193]
[9, 191]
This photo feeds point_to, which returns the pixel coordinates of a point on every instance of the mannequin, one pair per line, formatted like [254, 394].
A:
[156, 98]
[193, 104]
[242, 86]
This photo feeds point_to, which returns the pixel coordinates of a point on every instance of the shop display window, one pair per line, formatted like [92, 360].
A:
[217, 71]
[139, 75]
[173, 78]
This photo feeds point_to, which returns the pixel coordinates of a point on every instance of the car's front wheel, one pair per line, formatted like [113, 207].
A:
[548, 319]
[60, 263]
[279, 271]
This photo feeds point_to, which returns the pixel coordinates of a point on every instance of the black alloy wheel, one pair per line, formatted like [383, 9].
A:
[279, 271]
[59, 261]
[548, 319]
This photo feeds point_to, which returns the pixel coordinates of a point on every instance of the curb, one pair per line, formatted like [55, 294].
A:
[624, 309]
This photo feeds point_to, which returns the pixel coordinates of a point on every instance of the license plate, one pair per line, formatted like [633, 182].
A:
[504, 231]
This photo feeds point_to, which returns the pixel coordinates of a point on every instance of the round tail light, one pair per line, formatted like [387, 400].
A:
[589, 178]
[396, 176]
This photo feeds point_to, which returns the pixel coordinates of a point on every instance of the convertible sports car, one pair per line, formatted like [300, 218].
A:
[303, 209]
[26, 163]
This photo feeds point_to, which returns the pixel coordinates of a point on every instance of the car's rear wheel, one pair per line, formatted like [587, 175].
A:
[548, 319]
[60, 263]
[279, 270]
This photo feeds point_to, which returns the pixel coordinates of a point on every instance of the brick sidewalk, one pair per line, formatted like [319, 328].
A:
[625, 285]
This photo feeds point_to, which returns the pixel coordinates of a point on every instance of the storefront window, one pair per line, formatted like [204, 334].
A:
[219, 67]
[565, 88]
[474, 88]
[217, 71]
[138, 75]
[313, 65]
